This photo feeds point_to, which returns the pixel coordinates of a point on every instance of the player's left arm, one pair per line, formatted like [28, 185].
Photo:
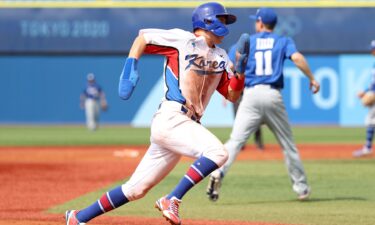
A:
[300, 61]
[231, 85]
[103, 101]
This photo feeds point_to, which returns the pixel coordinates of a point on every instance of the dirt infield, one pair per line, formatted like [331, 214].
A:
[35, 179]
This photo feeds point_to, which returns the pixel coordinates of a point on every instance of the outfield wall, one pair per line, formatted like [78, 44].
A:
[46, 89]
[46, 52]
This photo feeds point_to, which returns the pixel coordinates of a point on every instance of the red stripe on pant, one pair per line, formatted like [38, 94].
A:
[194, 175]
[105, 203]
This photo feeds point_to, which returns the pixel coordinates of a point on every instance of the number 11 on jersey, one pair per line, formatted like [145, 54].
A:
[263, 60]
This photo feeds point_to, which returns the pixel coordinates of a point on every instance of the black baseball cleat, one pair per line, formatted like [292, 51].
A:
[213, 188]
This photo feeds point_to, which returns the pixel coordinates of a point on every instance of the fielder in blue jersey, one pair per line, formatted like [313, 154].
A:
[370, 118]
[92, 100]
[262, 102]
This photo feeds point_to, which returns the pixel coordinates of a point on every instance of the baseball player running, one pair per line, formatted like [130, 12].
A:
[262, 101]
[194, 68]
[370, 118]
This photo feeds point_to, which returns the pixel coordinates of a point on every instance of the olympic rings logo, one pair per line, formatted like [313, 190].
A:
[288, 25]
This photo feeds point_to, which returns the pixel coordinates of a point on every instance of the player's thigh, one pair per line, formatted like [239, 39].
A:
[154, 166]
[184, 136]
[96, 109]
[276, 117]
[90, 107]
[248, 118]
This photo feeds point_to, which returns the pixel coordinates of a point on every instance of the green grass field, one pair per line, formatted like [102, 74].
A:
[122, 135]
[343, 194]
[260, 191]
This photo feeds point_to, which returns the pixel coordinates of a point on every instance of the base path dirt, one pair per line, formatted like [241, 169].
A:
[35, 179]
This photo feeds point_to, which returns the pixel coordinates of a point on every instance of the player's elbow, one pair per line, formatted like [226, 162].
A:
[297, 58]
[124, 95]
[126, 88]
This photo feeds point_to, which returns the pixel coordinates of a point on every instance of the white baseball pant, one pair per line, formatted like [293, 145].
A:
[173, 134]
[92, 111]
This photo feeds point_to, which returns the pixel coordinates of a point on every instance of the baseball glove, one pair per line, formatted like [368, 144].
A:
[368, 99]
[104, 106]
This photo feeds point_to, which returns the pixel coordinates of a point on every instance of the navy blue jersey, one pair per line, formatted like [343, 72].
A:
[92, 91]
[268, 52]
[372, 86]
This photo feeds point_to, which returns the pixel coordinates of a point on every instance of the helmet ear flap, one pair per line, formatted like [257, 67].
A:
[217, 27]
[199, 24]
[214, 26]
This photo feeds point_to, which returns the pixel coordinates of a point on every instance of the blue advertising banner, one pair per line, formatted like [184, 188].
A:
[112, 30]
[304, 107]
[46, 89]
[356, 76]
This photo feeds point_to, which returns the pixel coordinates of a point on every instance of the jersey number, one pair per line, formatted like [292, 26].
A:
[263, 62]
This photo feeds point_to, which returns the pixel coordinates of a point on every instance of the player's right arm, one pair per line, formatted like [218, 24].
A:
[129, 76]
[82, 99]
[138, 47]
[151, 41]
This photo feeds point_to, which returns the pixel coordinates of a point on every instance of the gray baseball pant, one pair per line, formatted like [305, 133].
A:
[264, 104]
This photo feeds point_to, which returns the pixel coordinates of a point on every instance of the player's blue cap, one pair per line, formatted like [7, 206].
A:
[266, 15]
[372, 46]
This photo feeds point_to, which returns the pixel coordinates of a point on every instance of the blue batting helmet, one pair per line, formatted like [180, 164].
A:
[206, 16]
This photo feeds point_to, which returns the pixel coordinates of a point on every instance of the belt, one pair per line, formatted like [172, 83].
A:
[186, 111]
[271, 86]
[189, 113]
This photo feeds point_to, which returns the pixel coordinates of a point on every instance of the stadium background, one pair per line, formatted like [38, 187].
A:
[48, 47]
[48, 165]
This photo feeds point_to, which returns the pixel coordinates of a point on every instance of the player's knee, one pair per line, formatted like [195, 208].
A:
[140, 193]
[223, 156]
[219, 155]
[135, 193]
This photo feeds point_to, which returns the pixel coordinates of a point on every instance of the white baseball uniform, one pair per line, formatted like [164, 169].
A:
[192, 72]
